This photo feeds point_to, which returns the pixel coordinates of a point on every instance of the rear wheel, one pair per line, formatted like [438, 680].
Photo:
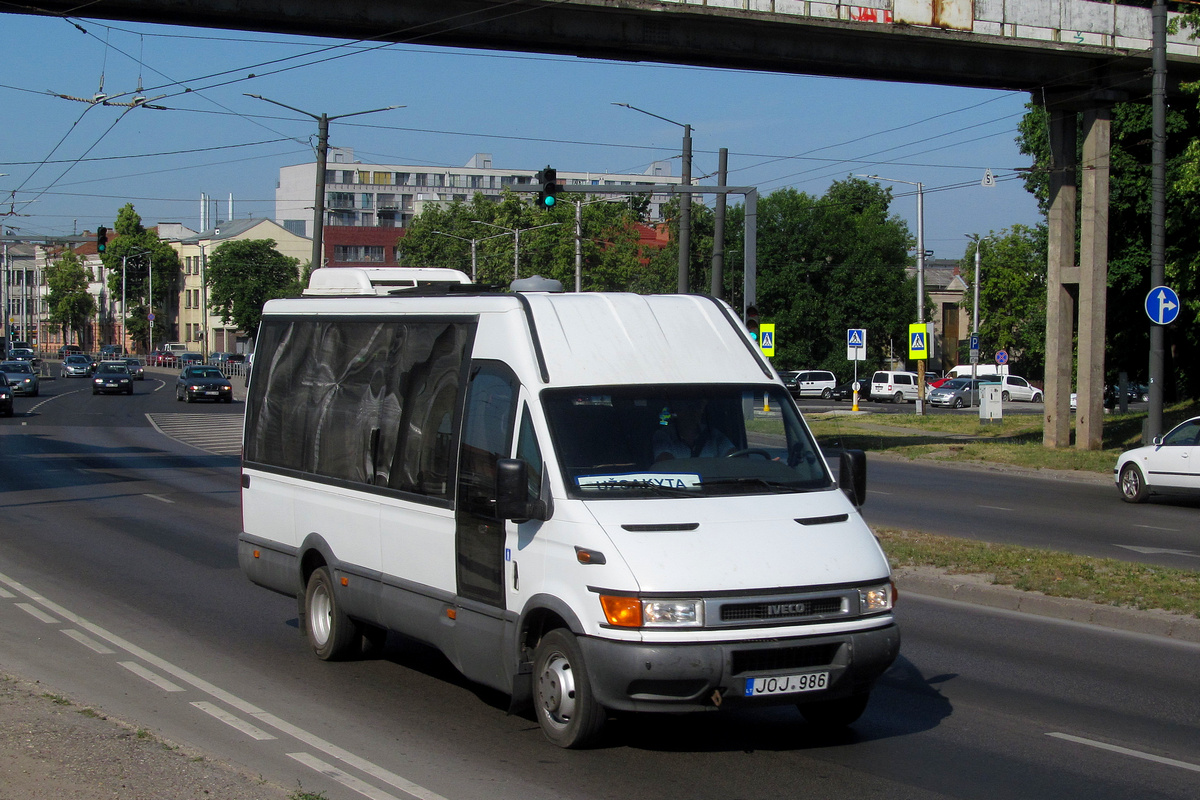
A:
[827, 393]
[835, 713]
[1133, 484]
[330, 631]
[563, 701]
[1037, 397]
[898, 397]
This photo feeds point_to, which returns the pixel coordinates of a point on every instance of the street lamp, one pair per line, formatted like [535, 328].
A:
[516, 232]
[979, 240]
[920, 278]
[474, 243]
[322, 155]
[685, 202]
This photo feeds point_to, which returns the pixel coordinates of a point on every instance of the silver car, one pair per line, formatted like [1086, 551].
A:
[77, 366]
[21, 377]
[956, 393]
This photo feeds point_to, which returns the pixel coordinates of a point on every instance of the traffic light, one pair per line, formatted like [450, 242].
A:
[548, 196]
[752, 322]
[101, 239]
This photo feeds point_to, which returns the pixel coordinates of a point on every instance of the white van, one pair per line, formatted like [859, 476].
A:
[964, 370]
[559, 492]
[899, 387]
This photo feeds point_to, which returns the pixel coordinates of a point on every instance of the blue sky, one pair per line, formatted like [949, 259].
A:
[527, 110]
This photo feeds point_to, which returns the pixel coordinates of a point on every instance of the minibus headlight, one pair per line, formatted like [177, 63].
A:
[875, 599]
[631, 612]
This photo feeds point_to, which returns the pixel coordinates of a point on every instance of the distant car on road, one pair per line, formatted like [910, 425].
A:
[68, 349]
[845, 391]
[813, 383]
[190, 358]
[160, 358]
[956, 393]
[136, 370]
[203, 383]
[112, 377]
[77, 365]
[25, 354]
[1170, 464]
[6, 397]
[111, 351]
[21, 377]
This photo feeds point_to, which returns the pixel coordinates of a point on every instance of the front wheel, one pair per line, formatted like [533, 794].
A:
[329, 630]
[1004, 396]
[838, 713]
[1133, 485]
[563, 701]
[958, 402]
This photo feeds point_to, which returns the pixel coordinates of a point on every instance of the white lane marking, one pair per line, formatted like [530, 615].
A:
[995, 508]
[228, 698]
[88, 641]
[1125, 751]
[153, 677]
[232, 721]
[1146, 551]
[36, 613]
[1157, 528]
[7, 595]
[349, 781]
[159, 498]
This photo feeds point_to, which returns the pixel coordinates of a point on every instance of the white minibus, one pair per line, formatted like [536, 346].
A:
[569, 495]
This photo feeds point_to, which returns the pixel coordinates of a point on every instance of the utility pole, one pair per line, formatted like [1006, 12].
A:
[1158, 209]
[718, 257]
[323, 121]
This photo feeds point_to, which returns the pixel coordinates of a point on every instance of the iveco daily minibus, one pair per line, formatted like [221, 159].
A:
[567, 494]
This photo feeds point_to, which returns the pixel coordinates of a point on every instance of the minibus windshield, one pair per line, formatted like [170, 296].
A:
[681, 441]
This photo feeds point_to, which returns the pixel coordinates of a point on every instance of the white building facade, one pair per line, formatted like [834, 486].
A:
[390, 195]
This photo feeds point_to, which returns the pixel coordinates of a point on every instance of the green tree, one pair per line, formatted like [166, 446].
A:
[137, 262]
[1012, 296]
[826, 264]
[243, 274]
[71, 305]
[441, 237]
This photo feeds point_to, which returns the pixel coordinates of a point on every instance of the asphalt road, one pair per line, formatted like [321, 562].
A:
[119, 583]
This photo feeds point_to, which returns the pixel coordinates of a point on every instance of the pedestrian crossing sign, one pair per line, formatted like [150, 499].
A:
[766, 338]
[918, 341]
[856, 344]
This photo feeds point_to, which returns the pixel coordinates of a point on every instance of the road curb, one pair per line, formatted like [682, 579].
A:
[978, 590]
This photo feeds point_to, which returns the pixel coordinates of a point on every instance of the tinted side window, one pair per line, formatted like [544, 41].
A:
[903, 380]
[363, 401]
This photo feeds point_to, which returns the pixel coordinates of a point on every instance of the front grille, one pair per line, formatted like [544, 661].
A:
[783, 610]
[784, 658]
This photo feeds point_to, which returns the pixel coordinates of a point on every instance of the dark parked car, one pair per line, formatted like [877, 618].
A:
[845, 391]
[190, 358]
[203, 383]
[6, 397]
[25, 354]
[77, 365]
[112, 377]
[136, 370]
[68, 349]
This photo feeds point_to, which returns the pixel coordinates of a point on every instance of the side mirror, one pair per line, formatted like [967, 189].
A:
[852, 475]
[512, 492]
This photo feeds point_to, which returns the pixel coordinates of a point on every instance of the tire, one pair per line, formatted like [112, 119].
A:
[564, 704]
[178, 396]
[130, 392]
[229, 399]
[330, 632]
[1004, 396]
[839, 713]
[95, 391]
[826, 394]
[187, 396]
[1037, 397]
[958, 402]
[898, 397]
[1133, 484]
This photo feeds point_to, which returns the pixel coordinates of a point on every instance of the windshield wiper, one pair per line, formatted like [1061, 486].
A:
[779, 487]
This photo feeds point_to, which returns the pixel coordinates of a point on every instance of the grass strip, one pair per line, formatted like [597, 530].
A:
[1099, 580]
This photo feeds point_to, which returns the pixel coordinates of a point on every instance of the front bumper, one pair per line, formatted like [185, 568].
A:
[633, 676]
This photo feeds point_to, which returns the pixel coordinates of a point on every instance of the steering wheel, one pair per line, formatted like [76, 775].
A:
[747, 452]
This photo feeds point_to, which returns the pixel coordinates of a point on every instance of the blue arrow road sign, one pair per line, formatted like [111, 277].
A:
[1162, 305]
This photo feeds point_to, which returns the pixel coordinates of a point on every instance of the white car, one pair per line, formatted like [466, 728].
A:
[899, 387]
[1013, 387]
[1170, 464]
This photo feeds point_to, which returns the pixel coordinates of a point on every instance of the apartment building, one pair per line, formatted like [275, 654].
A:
[390, 195]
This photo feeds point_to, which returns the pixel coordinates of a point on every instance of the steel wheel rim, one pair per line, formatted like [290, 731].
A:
[320, 615]
[556, 690]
